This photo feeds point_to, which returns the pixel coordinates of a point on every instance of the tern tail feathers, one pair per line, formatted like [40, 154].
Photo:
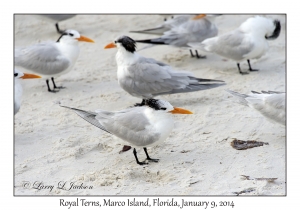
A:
[157, 31]
[205, 80]
[152, 41]
[195, 86]
[267, 92]
[88, 116]
[241, 97]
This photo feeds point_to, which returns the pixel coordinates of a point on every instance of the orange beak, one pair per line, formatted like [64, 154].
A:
[85, 39]
[177, 110]
[199, 17]
[30, 76]
[110, 45]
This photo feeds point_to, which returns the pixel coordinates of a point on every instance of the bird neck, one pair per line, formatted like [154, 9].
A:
[123, 57]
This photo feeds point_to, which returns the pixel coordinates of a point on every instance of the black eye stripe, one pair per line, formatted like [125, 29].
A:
[16, 74]
[71, 34]
[163, 108]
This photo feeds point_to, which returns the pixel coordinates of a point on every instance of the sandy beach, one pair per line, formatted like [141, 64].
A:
[55, 147]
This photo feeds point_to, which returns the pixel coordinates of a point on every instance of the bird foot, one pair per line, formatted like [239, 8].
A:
[140, 104]
[201, 56]
[142, 163]
[60, 87]
[253, 69]
[53, 91]
[243, 73]
[153, 160]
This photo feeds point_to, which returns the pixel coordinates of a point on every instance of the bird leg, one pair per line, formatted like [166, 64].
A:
[197, 55]
[148, 157]
[137, 160]
[192, 53]
[141, 104]
[250, 69]
[60, 87]
[242, 73]
[52, 91]
[58, 30]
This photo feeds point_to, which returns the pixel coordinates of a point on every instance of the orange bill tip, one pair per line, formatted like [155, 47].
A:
[30, 76]
[199, 16]
[110, 45]
[85, 39]
[177, 110]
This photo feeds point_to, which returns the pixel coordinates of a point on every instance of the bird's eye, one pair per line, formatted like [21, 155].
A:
[71, 34]
[163, 108]
[115, 42]
[16, 74]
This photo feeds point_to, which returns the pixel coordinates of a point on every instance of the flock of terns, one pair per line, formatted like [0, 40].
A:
[150, 122]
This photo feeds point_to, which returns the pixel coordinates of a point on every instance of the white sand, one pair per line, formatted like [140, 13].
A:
[53, 144]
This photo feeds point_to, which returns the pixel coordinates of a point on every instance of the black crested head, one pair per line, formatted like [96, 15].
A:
[276, 32]
[127, 43]
[155, 104]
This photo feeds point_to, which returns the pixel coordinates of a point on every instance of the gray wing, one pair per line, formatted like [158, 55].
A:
[271, 105]
[148, 78]
[131, 125]
[130, 119]
[43, 58]
[177, 20]
[190, 31]
[234, 45]
[89, 117]
[166, 26]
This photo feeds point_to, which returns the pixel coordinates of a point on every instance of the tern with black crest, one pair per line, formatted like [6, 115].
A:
[51, 59]
[146, 78]
[142, 126]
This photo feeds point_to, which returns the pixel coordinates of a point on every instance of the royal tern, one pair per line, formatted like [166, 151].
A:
[249, 41]
[56, 18]
[18, 87]
[146, 78]
[141, 126]
[182, 30]
[51, 58]
[270, 104]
